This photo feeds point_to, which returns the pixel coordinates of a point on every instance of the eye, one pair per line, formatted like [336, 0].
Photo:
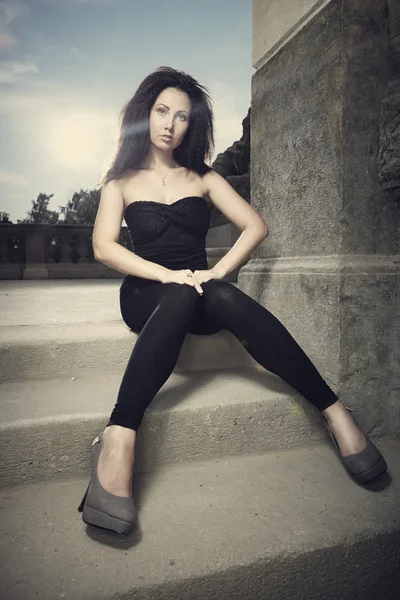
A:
[163, 111]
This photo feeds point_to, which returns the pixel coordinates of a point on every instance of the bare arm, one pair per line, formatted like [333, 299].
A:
[123, 260]
[242, 215]
[106, 231]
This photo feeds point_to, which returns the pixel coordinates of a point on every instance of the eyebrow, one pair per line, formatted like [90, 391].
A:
[160, 103]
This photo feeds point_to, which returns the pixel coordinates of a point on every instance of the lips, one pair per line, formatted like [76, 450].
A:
[167, 137]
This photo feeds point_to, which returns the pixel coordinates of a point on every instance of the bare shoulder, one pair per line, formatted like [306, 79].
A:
[231, 204]
[210, 180]
[205, 181]
[125, 183]
[129, 176]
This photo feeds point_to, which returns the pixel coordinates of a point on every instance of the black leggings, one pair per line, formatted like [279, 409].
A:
[162, 315]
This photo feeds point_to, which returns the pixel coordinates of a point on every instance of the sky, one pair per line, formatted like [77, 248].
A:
[67, 67]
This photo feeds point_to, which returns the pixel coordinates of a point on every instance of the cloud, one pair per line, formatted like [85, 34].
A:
[66, 53]
[37, 98]
[16, 196]
[66, 126]
[7, 40]
[228, 120]
[10, 10]
[73, 2]
[13, 178]
[14, 70]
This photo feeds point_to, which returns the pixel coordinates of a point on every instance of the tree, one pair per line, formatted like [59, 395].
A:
[4, 217]
[82, 208]
[39, 212]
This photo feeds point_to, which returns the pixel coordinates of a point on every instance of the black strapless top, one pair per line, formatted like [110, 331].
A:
[172, 235]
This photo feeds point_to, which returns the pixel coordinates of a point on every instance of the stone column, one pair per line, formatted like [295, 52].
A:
[329, 269]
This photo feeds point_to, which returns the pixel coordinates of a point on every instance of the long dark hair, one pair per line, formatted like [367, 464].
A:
[134, 137]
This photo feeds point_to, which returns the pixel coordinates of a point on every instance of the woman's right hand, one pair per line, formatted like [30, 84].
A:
[182, 276]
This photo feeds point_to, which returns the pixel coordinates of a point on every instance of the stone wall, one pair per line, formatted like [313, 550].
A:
[329, 268]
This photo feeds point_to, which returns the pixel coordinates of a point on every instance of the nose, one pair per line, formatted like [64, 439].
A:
[169, 125]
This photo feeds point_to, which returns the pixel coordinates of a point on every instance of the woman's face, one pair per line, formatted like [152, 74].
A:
[169, 115]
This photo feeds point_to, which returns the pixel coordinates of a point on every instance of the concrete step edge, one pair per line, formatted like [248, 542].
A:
[40, 351]
[228, 528]
[208, 415]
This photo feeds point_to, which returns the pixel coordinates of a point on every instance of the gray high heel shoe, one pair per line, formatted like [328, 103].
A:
[365, 465]
[101, 508]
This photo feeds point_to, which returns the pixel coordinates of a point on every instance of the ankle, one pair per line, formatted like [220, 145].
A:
[118, 436]
[335, 412]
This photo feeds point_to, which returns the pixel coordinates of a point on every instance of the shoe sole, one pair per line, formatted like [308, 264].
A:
[91, 516]
[378, 469]
[373, 472]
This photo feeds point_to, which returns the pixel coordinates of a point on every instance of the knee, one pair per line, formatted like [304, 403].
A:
[218, 289]
[183, 295]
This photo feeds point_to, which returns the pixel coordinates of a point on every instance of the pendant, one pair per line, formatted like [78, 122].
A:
[163, 182]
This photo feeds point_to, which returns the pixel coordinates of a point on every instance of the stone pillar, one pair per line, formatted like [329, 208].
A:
[329, 269]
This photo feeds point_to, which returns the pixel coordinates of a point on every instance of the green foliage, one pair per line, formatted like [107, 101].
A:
[81, 209]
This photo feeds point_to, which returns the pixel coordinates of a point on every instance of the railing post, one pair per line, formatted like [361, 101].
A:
[35, 252]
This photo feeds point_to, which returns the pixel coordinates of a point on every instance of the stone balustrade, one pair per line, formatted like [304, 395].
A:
[45, 251]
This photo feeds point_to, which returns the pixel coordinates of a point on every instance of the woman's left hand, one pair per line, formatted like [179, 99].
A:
[203, 276]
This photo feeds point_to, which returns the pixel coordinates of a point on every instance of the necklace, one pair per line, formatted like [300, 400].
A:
[162, 179]
[163, 182]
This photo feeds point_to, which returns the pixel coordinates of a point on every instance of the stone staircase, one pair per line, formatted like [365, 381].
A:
[240, 493]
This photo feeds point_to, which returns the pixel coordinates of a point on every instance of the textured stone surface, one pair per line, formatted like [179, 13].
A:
[314, 143]
[276, 21]
[46, 424]
[389, 155]
[394, 23]
[329, 269]
[389, 150]
[277, 526]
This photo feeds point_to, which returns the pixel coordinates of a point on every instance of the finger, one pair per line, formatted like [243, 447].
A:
[193, 281]
[198, 286]
[194, 284]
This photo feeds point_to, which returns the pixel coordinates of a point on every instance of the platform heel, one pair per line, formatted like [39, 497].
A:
[101, 508]
[365, 465]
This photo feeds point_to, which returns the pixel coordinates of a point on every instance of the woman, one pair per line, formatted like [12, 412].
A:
[163, 188]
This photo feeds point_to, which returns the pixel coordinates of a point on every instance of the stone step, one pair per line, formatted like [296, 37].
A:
[69, 329]
[278, 525]
[47, 424]
[77, 349]
[54, 301]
